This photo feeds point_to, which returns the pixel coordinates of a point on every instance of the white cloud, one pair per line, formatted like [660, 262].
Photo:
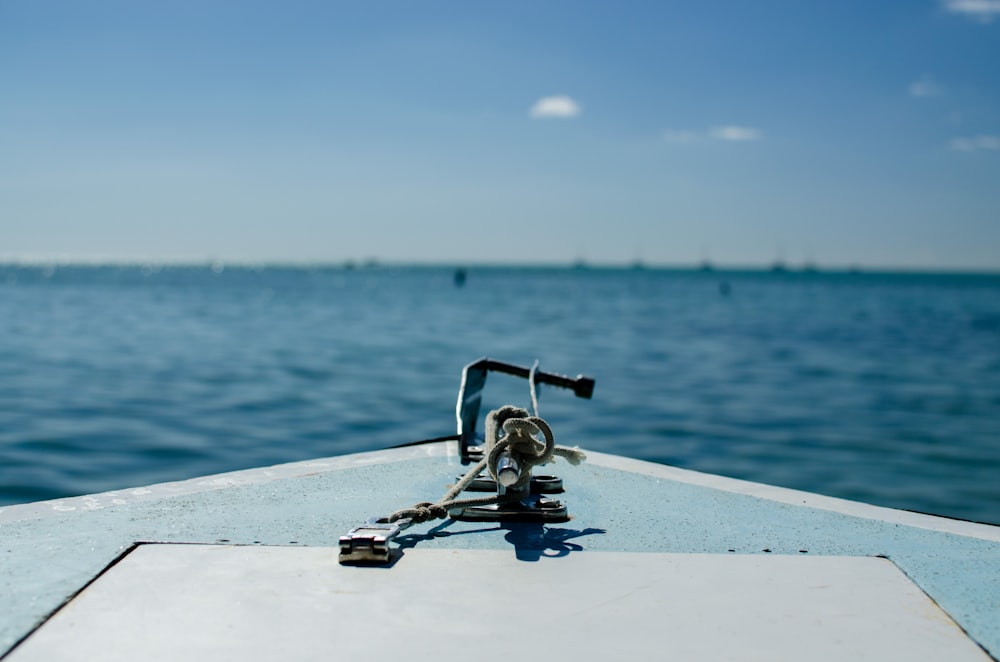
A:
[729, 133]
[976, 143]
[735, 133]
[983, 10]
[925, 87]
[558, 106]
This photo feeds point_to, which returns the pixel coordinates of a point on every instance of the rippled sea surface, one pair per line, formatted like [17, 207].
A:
[879, 387]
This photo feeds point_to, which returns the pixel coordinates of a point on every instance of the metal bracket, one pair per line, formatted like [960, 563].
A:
[534, 508]
[539, 484]
[470, 394]
[369, 543]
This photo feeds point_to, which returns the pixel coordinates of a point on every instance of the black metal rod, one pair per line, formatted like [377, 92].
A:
[581, 385]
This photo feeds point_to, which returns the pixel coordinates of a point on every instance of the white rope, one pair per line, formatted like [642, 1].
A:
[520, 440]
[532, 387]
[426, 510]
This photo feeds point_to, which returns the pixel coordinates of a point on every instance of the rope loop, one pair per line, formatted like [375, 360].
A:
[520, 438]
[420, 512]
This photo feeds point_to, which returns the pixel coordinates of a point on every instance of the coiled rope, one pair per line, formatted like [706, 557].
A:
[520, 441]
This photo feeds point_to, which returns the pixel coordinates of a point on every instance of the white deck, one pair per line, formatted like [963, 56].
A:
[174, 602]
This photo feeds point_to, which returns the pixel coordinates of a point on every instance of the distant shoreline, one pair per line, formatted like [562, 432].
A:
[371, 264]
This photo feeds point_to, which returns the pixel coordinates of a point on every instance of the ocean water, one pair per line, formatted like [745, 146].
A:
[879, 387]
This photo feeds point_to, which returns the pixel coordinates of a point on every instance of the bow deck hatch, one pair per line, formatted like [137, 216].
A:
[170, 602]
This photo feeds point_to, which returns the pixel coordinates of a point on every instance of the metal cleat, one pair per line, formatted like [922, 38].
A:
[533, 508]
[539, 484]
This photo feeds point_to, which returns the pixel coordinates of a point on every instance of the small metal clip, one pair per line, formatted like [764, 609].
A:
[369, 543]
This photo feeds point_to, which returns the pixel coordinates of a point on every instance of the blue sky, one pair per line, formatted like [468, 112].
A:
[841, 132]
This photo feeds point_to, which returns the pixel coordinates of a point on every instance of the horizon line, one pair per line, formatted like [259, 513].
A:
[705, 266]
